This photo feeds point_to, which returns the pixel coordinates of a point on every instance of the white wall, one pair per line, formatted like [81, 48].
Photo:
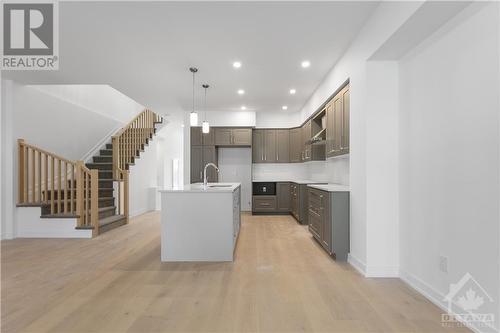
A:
[57, 124]
[278, 119]
[101, 99]
[7, 198]
[224, 118]
[449, 155]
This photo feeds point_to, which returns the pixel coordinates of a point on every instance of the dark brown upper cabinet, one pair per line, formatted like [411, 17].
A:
[198, 138]
[271, 146]
[225, 136]
[337, 131]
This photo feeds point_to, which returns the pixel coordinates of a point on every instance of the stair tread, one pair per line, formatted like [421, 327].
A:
[111, 219]
[59, 216]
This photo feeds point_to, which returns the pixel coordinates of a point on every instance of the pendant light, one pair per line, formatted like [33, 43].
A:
[193, 116]
[205, 127]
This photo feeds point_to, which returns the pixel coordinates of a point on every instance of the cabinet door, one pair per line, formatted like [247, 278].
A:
[270, 146]
[209, 138]
[306, 136]
[295, 145]
[282, 146]
[326, 231]
[330, 130]
[196, 164]
[210, 156]
[283, 193]
[242, 136]
[346, 103]
[337, 123]
[223, 136]
[196, 138]
[258, 146]
[315, 216]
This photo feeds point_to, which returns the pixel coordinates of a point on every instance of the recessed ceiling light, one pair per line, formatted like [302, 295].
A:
[236, 64]
[243, 107]
[292, 91]
[305, 63]
[284, 107]
[241, 92]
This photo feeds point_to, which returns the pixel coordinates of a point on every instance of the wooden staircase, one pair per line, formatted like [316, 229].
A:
[109, 217]
[96, 194]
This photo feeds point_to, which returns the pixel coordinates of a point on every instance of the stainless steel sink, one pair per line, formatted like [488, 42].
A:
[221, 185]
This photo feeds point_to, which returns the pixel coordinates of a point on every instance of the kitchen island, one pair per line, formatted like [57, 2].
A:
[200, 223]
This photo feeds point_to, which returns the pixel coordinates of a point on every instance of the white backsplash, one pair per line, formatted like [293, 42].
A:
[279, 171]
[333, 170]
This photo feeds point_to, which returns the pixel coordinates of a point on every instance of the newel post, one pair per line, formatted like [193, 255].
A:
[94, 201]
[79, 193]
[125, 194]
[20, 170]
[116, 155]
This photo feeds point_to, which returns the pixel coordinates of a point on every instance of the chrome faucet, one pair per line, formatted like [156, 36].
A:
[205, 182]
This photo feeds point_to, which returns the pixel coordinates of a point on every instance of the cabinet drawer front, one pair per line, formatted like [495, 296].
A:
[264, 203]
[316, 200]
[315, 226]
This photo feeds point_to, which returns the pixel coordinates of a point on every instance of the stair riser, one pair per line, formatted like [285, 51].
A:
[107, 166]
[102, 184]
[102, 203]
[105, 152]
[107, 213]
[111, 226]
[102, 193]
[105, 184]
[105, 174]
[103, 159]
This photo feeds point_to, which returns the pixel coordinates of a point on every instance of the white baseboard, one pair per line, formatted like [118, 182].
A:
[6, 236]
[382, 271]
[357, 264]
[372, 271]
[140, 212]
[436, 297]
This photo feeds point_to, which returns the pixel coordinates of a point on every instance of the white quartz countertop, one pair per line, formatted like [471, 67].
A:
[331, 187]
[297, 181]
[199, 188]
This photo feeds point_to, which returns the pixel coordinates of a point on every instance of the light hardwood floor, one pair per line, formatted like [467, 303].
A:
[281, 281]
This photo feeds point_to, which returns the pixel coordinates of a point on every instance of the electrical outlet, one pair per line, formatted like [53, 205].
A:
[443, 264]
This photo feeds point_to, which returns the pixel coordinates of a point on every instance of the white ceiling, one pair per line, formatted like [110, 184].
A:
[144, 49]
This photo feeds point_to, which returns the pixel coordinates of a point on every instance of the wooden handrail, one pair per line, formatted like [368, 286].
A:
[129, 140]
[127, 143]
[67, 187]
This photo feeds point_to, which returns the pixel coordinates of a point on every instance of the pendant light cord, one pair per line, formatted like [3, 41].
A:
[205, 107]
[193, 92]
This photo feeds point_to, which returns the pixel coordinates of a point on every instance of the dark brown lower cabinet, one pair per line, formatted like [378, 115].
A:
[283, 197]
[329, 221]
[264, 203]
[294, 200]
[277, 204]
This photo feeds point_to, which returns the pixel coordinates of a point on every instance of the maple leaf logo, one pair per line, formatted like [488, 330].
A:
[470, 301]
